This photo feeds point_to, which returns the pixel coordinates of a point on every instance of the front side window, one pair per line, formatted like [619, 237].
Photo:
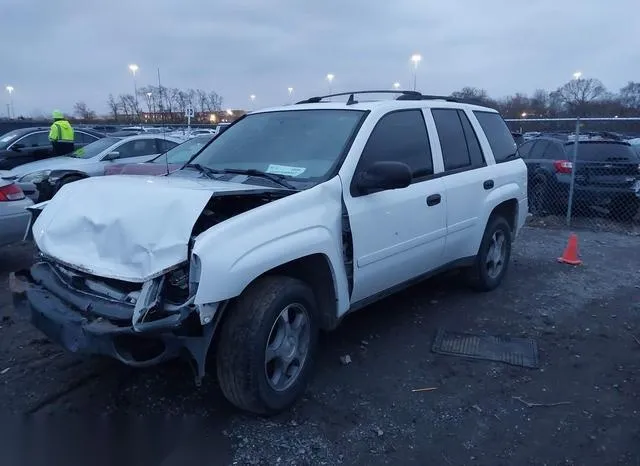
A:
[503, 146]
[95, 148]
[302, 145]
[137, 148]
[400, 137]
[34, 140]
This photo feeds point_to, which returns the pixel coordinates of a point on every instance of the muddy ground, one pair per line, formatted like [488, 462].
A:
[586, 321]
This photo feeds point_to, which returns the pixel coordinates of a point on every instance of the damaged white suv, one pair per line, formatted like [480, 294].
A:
[286, 222]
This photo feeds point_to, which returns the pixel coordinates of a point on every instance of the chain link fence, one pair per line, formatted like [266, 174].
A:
[587, 177]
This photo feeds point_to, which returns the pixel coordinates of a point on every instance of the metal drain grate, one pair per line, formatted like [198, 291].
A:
[521, 352]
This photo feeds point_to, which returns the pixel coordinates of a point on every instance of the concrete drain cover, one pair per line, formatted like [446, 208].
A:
[521, 352]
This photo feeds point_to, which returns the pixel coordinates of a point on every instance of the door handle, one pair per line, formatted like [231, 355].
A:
[434, 199]
[488, 184]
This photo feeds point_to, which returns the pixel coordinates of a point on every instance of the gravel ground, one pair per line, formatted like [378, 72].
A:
[586, 321]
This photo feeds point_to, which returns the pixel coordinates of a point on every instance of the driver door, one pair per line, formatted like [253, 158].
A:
[397, 234]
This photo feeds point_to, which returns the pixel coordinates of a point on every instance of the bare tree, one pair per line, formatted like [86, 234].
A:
[82, 111]
[475, 95]
[577, 94]
[215, 102]
[114, 107]
[630, 96]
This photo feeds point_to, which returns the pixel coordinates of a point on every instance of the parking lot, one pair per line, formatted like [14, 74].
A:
[580, 407]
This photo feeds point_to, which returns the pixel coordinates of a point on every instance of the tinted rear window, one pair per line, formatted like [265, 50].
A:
[603, 152]
[500, 138]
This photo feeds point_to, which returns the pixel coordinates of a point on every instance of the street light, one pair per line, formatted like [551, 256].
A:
[10, 110]
[416, 58]
[396, 85]
[524, 115]
[577, 75]
[134, 69]
[290, 90]
[330, 79]
[253, 99]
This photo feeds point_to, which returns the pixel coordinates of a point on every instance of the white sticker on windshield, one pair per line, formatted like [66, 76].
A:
[285, 170]
[8, 138]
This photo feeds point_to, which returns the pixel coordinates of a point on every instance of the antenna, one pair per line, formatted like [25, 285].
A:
[166, 157]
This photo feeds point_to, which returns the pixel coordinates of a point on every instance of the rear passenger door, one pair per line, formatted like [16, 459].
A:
[398, 234]
[467, 180]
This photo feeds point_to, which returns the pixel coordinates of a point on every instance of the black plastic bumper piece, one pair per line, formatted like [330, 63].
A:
[82, 324]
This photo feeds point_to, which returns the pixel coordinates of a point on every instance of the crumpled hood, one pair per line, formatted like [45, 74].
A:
[54, 163]
[129, 228]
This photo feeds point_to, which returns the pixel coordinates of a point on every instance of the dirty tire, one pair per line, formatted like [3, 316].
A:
[240, 356]
[477, 275]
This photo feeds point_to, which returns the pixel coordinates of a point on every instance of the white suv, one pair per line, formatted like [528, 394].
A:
[289, 220]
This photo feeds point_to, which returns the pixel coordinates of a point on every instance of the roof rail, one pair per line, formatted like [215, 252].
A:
[404, 95]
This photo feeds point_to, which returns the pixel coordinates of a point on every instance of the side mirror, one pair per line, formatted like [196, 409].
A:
[381, 176]
[112, 155]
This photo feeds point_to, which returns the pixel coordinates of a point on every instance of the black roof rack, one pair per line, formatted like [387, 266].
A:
[404, 95]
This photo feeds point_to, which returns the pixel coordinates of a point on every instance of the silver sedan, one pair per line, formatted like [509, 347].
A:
[14, 216]
[42, 179]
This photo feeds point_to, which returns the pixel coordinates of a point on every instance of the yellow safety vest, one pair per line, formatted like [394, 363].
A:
[61, 131]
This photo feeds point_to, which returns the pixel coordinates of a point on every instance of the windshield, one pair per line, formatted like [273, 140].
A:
[181, 153]
[8, 138]
[604, 152]
[94, 149]
[299, 144]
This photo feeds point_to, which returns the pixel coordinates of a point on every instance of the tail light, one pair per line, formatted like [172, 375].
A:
[11, 192]
[563, 166]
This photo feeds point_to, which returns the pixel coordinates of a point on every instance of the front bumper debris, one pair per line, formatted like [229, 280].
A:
[85, 323]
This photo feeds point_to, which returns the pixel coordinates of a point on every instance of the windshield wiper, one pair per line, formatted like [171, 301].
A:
[206, 171]
[279, 179]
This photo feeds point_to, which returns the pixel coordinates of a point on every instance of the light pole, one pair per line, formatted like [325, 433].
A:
[577, 75]
[396, 85]
[253, 99]
[330, 79]
[134, 69]
[290, 90]
[415, 59]
[10, 109]
[149, 94]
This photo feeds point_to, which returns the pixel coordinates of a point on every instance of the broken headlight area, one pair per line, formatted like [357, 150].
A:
[138, 324]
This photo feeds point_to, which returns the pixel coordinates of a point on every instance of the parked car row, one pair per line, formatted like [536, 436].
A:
[607, 174]
[276, 229]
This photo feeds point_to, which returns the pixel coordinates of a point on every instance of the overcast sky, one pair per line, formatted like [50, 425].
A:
[58, 52]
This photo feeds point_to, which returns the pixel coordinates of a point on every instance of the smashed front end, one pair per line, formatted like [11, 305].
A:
[122, 282]
[138, 324]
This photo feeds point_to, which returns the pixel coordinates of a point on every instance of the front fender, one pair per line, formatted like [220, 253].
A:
[226, 277]
[235, 252]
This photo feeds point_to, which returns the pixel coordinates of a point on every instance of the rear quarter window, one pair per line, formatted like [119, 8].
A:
[501, 140]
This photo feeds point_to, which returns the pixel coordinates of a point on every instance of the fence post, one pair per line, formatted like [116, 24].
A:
[573, 171]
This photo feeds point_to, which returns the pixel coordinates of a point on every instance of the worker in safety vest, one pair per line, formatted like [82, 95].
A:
[61, 134]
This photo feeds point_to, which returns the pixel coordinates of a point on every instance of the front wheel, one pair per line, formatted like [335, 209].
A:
[267, 345]
[493, 257]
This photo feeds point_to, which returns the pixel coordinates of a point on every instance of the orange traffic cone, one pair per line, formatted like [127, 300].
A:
[570, 254]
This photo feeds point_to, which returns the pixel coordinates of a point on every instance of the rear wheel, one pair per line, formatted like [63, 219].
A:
[493, 257]
[267, 345]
